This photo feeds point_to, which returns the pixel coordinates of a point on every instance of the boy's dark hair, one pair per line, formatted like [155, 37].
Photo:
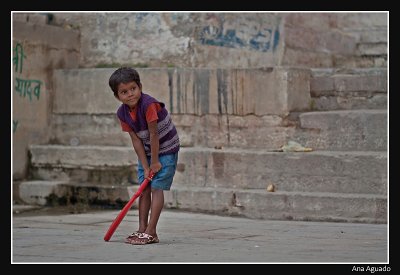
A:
[123, 75]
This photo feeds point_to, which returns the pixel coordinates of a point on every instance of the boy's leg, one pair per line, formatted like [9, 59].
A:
[163, 181]
[144, 200]
[144, 208]
[157, 204]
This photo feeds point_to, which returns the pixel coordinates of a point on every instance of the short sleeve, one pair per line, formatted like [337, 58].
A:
[125, 127]
[151, 112]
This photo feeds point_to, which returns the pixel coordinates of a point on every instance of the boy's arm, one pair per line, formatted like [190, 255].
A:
[139, 149]
[155, 165]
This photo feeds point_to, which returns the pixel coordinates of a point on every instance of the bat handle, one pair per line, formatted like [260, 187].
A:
[151, 175]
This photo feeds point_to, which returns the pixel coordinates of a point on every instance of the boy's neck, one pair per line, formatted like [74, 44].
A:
[131, 109]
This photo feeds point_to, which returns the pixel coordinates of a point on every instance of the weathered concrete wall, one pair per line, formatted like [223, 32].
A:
[37, 50]
[371, 32]
[224, 40]
[335, 39]
[230, 40]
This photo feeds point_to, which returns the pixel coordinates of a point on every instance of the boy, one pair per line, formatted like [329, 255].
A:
[156, 143]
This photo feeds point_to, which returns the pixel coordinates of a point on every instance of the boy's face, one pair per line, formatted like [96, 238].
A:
[129, 93]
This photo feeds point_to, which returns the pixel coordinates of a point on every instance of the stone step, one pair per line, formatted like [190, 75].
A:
[353, 130]
[254, 203]
[281, 205]
[267, 132]
[277, 90]
[336, 89]
[319, 171]
[330, 130]
[192, 91]
[99, 164]
[88, 129]
[349, 101]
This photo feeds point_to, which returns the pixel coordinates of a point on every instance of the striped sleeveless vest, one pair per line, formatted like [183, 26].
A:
[169, 139]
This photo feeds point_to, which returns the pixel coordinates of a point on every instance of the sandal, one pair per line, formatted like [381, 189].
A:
[133, 236]
[144, 238]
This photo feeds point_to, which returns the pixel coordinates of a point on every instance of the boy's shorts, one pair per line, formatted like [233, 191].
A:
[163, 179]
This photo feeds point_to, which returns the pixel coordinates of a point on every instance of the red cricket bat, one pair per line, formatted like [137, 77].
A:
[126, 208]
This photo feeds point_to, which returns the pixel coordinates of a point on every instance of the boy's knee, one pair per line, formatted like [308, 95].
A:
[156, 190]
[147, 190]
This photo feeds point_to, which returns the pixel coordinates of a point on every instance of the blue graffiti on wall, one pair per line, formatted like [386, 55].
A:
[140, 16]
[15, 124]
[212, 35]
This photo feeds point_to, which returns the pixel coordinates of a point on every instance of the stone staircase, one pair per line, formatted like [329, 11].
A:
[231, 136]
